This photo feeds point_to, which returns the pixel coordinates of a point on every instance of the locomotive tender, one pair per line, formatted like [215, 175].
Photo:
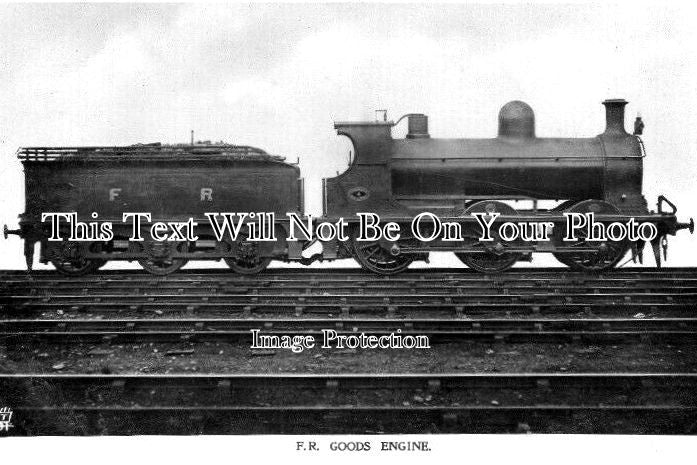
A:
[173, 183]
[394, 178]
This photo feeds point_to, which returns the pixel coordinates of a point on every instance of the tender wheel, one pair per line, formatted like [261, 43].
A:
[75, 268]
[247, 258]
[161, 266]
[493, 258]
[70, 260]
[374, 257]
[99, 263]
[606, 255]
[159, 260]
[101, 247]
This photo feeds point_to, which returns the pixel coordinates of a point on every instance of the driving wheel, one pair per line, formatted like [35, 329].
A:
[373, 256]
[493, 257]
[606, 254]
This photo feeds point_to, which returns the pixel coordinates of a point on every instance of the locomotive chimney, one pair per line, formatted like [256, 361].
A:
[614, 117]
[417, 126]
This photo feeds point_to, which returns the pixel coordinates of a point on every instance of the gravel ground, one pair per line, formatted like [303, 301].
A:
[465, 357]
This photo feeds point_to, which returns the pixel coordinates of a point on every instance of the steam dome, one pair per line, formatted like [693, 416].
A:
[516, 119]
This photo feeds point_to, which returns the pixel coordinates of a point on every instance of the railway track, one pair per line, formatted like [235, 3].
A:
[519, 277]
[535, 306]
[311, 403]
[345, 292]
[236, 330]
[345, 304]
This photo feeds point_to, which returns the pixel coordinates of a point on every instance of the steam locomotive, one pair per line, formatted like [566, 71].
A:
[521, 177]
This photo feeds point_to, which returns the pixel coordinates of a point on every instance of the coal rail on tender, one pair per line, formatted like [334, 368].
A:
[530, 350]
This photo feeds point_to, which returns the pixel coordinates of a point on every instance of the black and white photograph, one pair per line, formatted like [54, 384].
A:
[348, 231]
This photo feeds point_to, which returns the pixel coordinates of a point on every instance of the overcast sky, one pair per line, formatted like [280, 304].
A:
[277, 76]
